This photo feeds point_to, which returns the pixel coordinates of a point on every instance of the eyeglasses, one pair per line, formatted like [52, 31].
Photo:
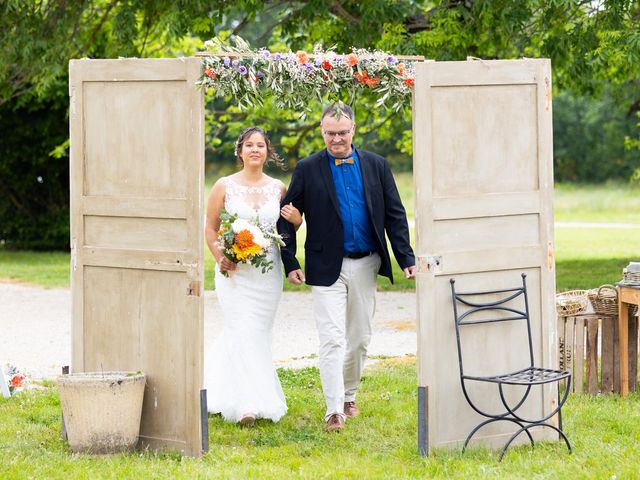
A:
[341, 133]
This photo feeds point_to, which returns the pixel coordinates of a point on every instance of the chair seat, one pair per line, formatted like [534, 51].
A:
[526, 376]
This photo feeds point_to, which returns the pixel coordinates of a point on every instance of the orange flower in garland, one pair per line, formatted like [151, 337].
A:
[372, 82]
[361, 77]
[208, 71]
[351, 59]
[303, 57]
[409, 82]
[364, 78]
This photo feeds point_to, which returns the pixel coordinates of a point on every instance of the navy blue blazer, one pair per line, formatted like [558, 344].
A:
[313, 192]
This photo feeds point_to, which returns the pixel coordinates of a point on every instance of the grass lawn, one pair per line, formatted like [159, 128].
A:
[610, 202]
[45, 269]
[381, 443]
[586, 257]
[589, 257]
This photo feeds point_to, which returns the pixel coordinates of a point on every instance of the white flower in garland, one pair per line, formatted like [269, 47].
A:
[293, 79]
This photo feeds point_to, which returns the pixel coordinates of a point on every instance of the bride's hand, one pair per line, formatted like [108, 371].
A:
[291, 214]
[227, 265]
[224, 264]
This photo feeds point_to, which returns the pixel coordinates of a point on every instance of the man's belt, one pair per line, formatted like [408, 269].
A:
[357, 255]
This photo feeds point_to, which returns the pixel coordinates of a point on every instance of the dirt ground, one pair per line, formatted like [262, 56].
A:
[35, 326]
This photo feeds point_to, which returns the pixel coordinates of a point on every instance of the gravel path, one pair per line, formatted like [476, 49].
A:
[35, 327]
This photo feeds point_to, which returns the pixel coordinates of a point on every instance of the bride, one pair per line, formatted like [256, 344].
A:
[239, 374]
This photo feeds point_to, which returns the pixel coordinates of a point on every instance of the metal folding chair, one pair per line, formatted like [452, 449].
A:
[508, 305]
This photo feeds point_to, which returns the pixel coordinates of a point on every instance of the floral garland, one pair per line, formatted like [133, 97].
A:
[293, 79]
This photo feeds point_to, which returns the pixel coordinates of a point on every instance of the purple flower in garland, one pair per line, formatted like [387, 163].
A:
[266, 69]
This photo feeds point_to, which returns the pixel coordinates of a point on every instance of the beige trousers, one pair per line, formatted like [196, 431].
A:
[343, 313]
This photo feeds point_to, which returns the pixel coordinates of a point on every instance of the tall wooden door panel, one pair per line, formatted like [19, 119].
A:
[483, 181]
[137, 160]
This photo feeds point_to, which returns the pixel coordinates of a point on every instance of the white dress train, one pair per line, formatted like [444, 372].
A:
[239, 374]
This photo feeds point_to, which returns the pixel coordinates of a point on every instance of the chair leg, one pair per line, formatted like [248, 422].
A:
[491, 420]
[526, 429]
[566, 440]
[512, 411]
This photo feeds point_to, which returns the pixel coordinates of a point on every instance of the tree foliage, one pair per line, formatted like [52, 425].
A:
[37, 39]
[594, 46]
[589, 139]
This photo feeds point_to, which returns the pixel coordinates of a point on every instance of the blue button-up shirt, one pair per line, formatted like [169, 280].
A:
[358, 234]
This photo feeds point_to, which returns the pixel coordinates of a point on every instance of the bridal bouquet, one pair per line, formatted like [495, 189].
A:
[246, 242]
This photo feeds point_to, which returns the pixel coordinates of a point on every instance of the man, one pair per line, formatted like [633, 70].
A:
[349, 199]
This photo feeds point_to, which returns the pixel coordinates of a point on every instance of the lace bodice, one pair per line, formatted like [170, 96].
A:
[248, 202]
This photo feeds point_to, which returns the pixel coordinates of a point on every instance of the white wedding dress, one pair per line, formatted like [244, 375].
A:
[239, 374]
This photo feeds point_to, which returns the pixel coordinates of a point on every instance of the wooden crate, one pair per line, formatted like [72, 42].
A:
[588, 347]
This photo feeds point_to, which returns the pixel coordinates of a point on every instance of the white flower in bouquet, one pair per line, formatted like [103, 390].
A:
[258, 237]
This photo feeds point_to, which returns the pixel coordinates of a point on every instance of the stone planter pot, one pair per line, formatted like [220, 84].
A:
[102, 410]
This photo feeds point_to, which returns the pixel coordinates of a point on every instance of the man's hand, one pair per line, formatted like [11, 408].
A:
[296, 277]
[410, 272]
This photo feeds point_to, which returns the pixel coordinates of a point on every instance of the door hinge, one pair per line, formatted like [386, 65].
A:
[194, 289]
[547, 93]
[74, 254]
[430, 263]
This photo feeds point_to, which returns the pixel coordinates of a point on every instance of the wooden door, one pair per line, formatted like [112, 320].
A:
[484, 184]
[137, 162]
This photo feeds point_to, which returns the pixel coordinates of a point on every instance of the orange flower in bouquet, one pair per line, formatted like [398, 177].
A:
[246, 242]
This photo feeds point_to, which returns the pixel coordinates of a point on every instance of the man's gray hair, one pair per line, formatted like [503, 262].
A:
[338, 110]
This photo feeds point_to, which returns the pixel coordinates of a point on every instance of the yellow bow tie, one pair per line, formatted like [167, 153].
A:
[340, 161]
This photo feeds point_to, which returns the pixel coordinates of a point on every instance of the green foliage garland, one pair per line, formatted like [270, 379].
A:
[295, 79]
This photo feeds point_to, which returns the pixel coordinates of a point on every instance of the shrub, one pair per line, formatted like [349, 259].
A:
[34, 205]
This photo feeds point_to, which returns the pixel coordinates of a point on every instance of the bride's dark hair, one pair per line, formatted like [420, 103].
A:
[272, 156]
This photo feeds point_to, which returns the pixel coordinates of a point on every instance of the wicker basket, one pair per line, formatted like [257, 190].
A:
[571, 303]
[604, 300]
